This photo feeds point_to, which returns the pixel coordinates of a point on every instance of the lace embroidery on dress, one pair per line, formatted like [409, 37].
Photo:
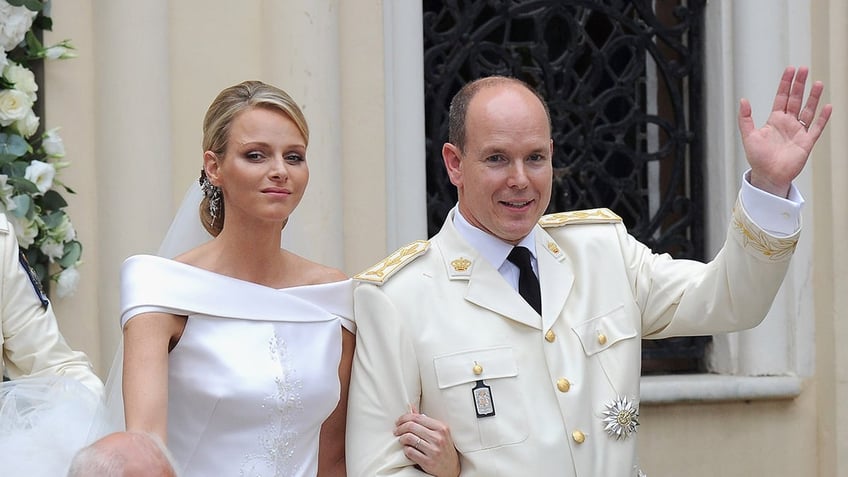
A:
[279, 439]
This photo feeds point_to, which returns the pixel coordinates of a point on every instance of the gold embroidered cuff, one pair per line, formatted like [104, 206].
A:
[751, 236]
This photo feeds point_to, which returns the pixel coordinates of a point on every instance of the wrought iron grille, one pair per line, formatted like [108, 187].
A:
[623, 81]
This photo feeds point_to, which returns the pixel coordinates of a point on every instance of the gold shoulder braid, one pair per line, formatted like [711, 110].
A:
[776, 249]
[589, 216]
[379, 273]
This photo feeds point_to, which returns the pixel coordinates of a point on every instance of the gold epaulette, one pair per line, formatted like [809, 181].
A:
[379, 273]
[589, 216]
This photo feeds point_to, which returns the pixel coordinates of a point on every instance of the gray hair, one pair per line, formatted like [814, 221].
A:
[106, 458]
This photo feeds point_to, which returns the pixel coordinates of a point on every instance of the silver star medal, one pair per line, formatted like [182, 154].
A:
[621, 417]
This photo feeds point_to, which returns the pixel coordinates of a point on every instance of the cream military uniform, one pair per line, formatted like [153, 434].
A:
[30, 339]
[524, 394]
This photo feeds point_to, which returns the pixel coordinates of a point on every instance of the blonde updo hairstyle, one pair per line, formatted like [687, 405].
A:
[219, 119]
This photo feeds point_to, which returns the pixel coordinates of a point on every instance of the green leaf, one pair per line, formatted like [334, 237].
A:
[73, 252]
[31, 5]
[53, 219]
[52, 200]
[43, 22]
[14, 145]
[17, 169]
[23, 186]
[23, 205]
[33, 45]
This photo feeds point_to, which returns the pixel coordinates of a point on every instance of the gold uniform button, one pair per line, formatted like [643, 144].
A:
[578, 437]
[477, 369]
[550, 336]
[563, 385]
[602, 338]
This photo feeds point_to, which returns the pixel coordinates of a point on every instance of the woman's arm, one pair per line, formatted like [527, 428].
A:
[147, 340]
[331, 448]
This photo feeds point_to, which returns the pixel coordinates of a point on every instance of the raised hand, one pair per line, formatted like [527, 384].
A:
[778, 151]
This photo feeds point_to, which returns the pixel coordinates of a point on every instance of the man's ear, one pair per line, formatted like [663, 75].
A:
[210, 166]
[452, 157]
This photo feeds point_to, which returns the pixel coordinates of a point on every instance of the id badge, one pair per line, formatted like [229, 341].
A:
[483, 403]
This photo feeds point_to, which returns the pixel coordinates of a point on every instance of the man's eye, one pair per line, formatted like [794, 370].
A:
[495, 158]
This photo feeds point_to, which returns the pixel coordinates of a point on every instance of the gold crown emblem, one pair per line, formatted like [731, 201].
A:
[461, 264]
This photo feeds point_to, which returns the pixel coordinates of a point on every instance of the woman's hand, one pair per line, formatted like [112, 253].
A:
[428, 443]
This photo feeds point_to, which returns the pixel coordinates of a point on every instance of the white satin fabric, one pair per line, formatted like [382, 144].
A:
[184, 233]
[255, 372]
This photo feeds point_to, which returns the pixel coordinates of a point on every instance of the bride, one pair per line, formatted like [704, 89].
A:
[237, 352]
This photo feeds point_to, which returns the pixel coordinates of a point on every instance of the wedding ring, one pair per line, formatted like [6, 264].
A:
[803, 123]
[417, 444]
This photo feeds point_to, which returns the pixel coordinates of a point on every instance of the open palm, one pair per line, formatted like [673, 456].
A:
[778, 151]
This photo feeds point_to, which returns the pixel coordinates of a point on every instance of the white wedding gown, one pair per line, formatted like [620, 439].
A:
[255, 372]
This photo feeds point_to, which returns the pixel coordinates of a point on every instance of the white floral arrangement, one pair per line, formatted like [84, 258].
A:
[30, 160]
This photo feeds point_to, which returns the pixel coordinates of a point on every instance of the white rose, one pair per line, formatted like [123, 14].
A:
[65, 231]
[28, 125]
[14, 105]
[67, 282]
[6, 190]
[41, 174]
[26, 230]
[52, 144]
[22, 78]
[52, 249]
[3, 60]
[16, 22]
[62, 51]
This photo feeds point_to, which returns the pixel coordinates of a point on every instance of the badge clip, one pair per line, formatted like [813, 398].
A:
[483, 403]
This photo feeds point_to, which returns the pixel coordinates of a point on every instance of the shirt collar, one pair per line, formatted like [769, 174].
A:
[491, 248]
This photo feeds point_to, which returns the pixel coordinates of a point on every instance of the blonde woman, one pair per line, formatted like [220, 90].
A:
[237, 352]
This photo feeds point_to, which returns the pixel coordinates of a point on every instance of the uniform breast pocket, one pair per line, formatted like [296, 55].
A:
[605, 331]
[481, 390]
[611, 342]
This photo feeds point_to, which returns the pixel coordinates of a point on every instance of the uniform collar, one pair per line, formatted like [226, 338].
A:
[491, 248]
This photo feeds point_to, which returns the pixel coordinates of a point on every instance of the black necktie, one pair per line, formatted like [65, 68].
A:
[528, 284]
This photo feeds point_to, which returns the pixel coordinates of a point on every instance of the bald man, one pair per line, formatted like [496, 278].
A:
[124, 454]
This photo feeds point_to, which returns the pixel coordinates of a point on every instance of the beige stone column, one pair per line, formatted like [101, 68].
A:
[363, 133]
[69, 94]
[300, 53]
[830, 24]
[132, 108]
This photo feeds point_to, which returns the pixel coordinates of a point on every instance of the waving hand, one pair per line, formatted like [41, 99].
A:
[778, 151]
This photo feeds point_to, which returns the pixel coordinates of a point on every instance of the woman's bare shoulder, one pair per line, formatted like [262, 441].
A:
[314, 273]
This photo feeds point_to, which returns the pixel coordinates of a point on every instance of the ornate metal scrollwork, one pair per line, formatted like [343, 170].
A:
[623, 81]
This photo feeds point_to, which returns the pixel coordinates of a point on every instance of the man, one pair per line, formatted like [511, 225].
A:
[31, 342]
[548, 384]
[124, 454]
